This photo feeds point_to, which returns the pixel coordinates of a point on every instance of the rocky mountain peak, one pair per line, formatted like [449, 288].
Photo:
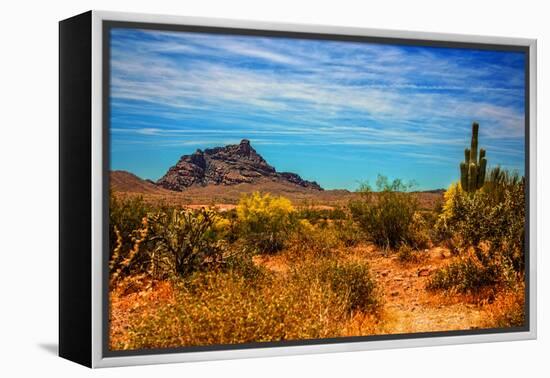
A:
[244, 146]
[229, 165]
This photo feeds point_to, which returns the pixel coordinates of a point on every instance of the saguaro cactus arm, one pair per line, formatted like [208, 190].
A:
[464, 175]
[472, 170]
[473, 147]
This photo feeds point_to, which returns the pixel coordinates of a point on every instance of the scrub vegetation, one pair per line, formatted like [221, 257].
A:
[272, 269]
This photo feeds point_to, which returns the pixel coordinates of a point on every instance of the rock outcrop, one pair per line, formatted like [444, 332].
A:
[230, 165]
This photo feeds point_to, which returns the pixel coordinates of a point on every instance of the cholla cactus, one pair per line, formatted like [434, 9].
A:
[472, 169]
[188, 237]
[117, 264]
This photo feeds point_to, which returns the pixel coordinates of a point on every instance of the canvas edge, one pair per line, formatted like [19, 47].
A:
[97, 192]
[74, 127]
[533, 188]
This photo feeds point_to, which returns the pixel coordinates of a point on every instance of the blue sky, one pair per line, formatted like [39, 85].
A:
[335, 112]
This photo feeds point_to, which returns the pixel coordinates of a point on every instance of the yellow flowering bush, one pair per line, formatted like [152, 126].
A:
[449, 199]
[265, 220]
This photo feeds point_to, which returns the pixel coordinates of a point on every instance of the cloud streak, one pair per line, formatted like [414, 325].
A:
[175, 89]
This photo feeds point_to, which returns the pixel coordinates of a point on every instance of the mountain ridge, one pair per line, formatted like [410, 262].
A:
[124, 181]
[229, 165]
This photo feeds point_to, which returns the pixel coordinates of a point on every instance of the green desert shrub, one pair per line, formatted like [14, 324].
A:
[408, 254]
[188, 238]
[316, 240]
[310, 239]
[495, 214]
[419, 235]
[238, 258]
[265, 221]
[229, 221]
[488, 228]
[474, 271]
[470, 217]
[350, 280]
[348, 232]
[245, 267]
[499, 181]
[314, 214]
[386, 215]
[507, 219]
[322, 239]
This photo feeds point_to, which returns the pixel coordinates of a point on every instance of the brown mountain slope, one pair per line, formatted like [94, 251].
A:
[122, 181]
[221, 175]
[126, 184]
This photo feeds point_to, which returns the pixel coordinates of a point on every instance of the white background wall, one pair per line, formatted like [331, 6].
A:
[28, 172]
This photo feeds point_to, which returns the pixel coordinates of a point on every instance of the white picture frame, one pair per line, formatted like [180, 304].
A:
[97, 353]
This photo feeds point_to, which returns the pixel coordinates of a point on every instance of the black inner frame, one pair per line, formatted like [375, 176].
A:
[106, 94]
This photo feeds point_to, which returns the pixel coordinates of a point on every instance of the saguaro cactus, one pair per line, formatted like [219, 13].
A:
[472, 170]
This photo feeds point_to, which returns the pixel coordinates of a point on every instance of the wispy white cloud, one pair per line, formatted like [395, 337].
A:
[184, 88]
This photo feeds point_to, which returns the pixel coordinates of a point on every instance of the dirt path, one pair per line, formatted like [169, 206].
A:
[408, 306]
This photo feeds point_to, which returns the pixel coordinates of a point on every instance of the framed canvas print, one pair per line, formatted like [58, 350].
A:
[234, 189]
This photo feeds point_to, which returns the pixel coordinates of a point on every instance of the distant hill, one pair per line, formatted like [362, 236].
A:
[231, 165]
[432, 191]
[127, 184]
[222, 175]
[122, 181]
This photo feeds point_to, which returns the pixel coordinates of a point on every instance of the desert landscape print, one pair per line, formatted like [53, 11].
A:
[271, 189]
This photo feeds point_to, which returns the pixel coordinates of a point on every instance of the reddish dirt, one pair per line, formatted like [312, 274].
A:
[407, 306]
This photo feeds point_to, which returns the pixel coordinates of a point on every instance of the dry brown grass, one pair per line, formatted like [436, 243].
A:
[221, 308]
[507, 309]
[308, 290]
[137, 303]
[226, 308]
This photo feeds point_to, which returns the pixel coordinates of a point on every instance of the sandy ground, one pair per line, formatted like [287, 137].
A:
[407, 306]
